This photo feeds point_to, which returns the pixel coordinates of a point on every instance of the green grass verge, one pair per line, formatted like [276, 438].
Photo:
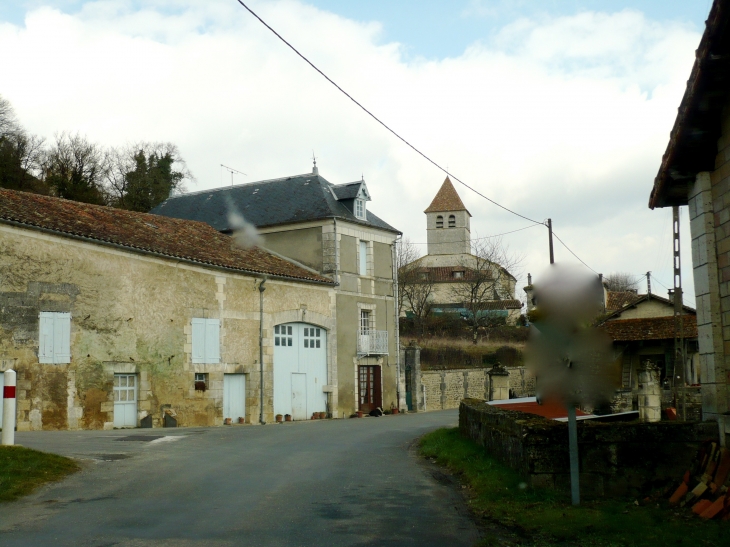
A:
[22, 470]
[545, 517]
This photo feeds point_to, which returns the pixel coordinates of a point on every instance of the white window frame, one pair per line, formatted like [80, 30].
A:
[360, 209]
[54, 337]
[362, 253]
[366, 321]
[206, 343]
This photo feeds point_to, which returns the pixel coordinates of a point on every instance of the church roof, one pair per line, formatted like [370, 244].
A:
[446, 200]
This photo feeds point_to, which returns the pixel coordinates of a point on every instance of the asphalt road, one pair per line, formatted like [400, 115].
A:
[324, 483]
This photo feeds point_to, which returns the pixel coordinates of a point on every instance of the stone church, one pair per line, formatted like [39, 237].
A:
[451, 265]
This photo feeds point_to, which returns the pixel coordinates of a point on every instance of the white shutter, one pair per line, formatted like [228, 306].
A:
[62, 338]
[213, 341]
[45, 338]
[198, 340]
[363, 258]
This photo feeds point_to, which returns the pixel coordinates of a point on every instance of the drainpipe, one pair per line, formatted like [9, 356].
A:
[337, 255]
[397, 318]
[261, 348]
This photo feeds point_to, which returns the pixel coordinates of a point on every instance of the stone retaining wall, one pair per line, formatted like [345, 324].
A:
[616, 459]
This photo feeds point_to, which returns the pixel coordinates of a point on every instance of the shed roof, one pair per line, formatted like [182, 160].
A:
[142, 232]
[693, 140]
[286, 200]
[447, 199]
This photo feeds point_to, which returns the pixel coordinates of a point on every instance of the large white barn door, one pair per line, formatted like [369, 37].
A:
[300, 355]
[234, 396]
[125, 400]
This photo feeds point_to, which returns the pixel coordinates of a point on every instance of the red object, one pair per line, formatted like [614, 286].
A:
[671, 413]
[9, 392]
[548, 409]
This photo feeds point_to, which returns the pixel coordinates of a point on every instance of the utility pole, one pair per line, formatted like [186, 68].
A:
[648, 283]
[550, 239]
[679, 380]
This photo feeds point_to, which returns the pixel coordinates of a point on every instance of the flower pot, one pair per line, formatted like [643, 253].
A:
[394, 411]
[279, 418]
[287, 417]
[322, 415]
[359, 413]
[227, 421]
[315, 415]
[241, 420]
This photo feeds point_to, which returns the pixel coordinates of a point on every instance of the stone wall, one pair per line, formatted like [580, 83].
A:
[616, 459]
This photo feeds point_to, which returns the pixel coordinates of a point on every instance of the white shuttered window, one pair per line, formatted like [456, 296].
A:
[54, 339]
[206, 340]
[363, 257]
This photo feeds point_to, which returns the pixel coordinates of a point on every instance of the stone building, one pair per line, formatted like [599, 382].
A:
[113, 318]
[330, 229]
[449, 261]
[695, 171]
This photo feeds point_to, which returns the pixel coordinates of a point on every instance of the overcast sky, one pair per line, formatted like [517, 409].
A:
[553, 108]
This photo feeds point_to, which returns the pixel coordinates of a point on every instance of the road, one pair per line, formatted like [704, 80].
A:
[322, 483]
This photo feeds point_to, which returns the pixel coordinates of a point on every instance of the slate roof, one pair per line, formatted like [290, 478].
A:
[167, 237]
[650, 328]
[447, 199]
[265, 203]
[347, 190]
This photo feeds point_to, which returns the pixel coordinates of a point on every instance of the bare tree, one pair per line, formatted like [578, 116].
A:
[8, 121]
[75, 168]
[415, 284]
[622, 281]
[406, 254]
[486, 278]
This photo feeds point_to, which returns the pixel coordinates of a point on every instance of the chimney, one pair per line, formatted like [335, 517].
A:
[670, 295]
[529, 279]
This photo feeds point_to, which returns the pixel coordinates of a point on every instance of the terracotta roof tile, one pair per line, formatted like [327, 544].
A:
[618, 299]
[184, 239]
[650, 328]
[447, 199]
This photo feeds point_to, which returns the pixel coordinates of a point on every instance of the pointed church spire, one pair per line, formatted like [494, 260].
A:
[447, 199]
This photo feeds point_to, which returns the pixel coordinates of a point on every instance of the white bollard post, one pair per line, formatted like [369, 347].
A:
[8, 437]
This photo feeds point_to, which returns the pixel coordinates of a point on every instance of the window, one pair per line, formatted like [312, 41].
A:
[423, 276]
[365, 321]
[283, 335]
[54, 337]
[312, 337]
[201, 381]
[452, 221]
[360, 208]
[363, 257]
[206, 340]
[439, 221]
[458, 275]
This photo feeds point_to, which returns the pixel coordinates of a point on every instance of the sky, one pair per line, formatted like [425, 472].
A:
[555, 109]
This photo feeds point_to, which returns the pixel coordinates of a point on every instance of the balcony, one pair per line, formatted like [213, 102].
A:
[372, 342]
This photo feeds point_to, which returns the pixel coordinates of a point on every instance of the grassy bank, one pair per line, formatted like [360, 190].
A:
[542, 517]
[22, 470]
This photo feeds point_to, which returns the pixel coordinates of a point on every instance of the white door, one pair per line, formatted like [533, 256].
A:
[299, 396]
[125, 400]
[234, 396]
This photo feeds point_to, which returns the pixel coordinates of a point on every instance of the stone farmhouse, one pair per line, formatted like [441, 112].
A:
[113, 318]
[695, 171]
[327, 228]
[449, 261]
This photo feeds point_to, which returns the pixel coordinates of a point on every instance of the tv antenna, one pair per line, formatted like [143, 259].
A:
[231, 170]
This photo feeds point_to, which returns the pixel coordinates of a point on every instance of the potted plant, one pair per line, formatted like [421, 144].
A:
[241, 420]
[227, 421]
[287, 417]
[279, 418]
[322, 415]
[359, 413]
[395, 410]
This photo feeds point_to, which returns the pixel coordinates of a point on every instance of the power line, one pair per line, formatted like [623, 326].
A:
[484, 237]
[575, 255]
[380, 121]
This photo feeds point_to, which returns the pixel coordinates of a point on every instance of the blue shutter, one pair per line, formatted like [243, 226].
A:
[62, 338]
[45, 338]
[198, 350]
[213, 341]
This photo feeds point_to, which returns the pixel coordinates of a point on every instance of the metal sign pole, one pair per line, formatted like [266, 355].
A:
[573, 449]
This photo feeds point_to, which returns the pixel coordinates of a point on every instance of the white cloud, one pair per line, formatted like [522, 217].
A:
[563, 117]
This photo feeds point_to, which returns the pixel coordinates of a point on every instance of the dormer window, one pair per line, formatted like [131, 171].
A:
[439, 221]
[360, 209]
[452, 221]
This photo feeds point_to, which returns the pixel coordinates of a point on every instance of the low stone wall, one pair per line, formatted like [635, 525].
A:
[446, 388]
[616, 459]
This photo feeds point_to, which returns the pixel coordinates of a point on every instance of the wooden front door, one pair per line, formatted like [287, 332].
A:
[370, 394]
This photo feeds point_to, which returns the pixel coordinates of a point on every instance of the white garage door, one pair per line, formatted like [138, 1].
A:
[300, 369]
[125, 400]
